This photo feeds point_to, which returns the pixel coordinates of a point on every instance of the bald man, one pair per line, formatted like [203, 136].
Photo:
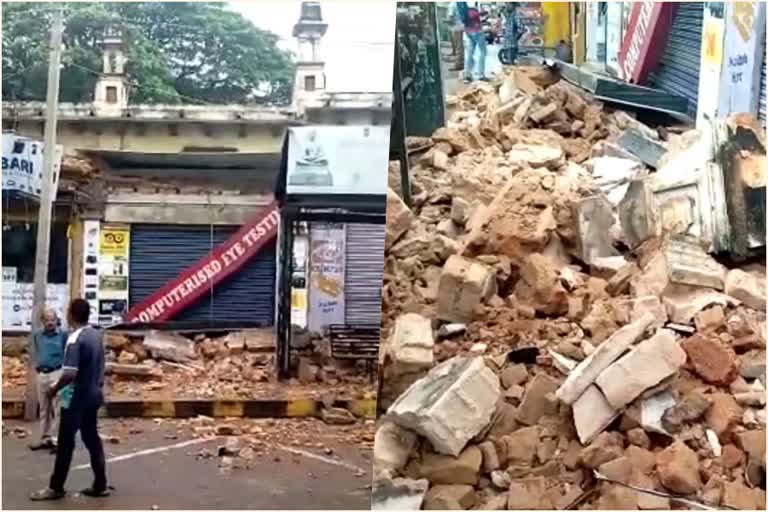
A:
[49, 345]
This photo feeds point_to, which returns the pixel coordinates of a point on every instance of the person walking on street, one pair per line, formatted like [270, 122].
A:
[48, 345]
[474, 39]
[81, 393]
[457, 37]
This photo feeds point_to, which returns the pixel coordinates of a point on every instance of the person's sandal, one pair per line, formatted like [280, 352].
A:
[94, 493]
[47, 495]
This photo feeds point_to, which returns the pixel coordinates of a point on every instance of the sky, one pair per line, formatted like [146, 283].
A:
[357, 48]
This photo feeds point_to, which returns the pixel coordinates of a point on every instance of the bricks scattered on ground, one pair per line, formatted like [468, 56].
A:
[557, 351]
[234, 366]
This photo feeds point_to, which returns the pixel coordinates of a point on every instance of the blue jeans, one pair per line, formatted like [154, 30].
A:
[474, 41]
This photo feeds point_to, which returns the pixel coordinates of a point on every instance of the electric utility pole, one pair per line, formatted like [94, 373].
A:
[46, 207]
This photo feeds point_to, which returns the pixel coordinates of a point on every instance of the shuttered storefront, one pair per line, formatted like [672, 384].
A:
[363, 274]
[678, 70]
[761, 111]
[160, 252]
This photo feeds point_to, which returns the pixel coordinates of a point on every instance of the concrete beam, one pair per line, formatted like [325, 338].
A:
[217, 215]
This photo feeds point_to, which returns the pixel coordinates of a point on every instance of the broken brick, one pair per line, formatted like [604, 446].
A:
[711, 359]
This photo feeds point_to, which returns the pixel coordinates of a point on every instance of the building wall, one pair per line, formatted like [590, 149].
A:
[159, 137]
[556, 25]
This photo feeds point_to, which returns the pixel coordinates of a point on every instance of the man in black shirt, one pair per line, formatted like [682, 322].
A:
[81, 395]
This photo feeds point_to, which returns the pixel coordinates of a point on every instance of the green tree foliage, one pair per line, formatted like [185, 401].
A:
[177, 53]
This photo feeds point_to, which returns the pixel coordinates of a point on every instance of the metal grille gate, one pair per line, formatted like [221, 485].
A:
[678, 69]
[160, 252]
[363, 273]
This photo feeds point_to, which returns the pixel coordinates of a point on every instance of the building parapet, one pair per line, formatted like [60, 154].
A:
[35, 110]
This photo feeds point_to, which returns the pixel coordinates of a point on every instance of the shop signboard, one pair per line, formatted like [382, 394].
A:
[22, 165]
[645, 38]
[221, 263]
[337, 160]
[17, 306]
[742, 57]
[326, 275]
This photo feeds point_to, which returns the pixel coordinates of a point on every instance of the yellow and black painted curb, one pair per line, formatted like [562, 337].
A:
[294, 408]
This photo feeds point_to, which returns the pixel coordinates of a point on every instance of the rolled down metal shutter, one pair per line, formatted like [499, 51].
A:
[363, 274]
[160, 252]
[761, 111]
[678, 69]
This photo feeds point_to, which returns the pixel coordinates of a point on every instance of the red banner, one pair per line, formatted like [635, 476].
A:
[197, 280]
[645, 39]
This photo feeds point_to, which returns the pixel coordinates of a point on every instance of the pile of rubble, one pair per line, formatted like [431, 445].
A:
[542, 352]
[239, 365]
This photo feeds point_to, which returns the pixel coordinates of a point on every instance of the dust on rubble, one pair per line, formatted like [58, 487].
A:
[531, 359]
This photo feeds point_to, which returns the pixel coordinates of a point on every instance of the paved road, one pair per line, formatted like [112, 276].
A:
[175, 478]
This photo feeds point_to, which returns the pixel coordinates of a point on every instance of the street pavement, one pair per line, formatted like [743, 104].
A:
[156, 470]
[453, 80]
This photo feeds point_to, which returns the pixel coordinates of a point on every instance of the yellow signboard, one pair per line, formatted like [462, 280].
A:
[712, 43]
[114, 241]
[299, 299]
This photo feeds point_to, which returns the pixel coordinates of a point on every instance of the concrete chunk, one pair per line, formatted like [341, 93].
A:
[594, 221]
[647, 365]
[448, 470]
[648, 150]
[464, 284]
[392, 446]
[411, 344]
[450, 405]
[170, 347]
[528, 494]
[747, 288]
[682, 303]
[605, 354]
[592, 414]
[450, 497]
[398, 494]
[682, 262]
[399, 219]
[536, 402]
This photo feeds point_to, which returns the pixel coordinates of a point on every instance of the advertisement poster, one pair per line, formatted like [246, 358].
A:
[22, 165]
[91, 267]
[112, 265]
[17, 304]
[299, 282]
[326, 276]
[530, 25]
[337, 160]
